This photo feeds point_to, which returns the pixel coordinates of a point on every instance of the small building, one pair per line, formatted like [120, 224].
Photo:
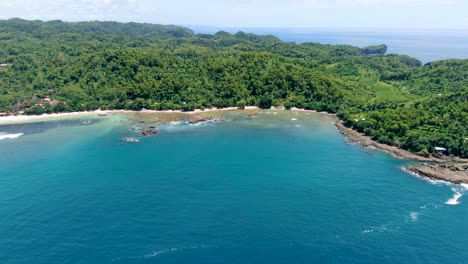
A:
[440, 149]
[3, 65]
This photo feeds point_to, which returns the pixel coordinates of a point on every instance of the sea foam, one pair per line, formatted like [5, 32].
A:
[458, 189]
[431, 181]
[10, 136]
[414, 216]
[458, 193]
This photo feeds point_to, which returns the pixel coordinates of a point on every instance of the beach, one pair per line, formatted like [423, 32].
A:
[10, 119]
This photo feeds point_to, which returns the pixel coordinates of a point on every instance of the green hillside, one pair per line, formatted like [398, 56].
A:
[57, 67]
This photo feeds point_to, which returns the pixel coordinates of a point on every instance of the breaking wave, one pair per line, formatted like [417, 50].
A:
[431, 181]
[10, 136]
[458, 193]
[160, 252]
[458, 189]
[414, 216]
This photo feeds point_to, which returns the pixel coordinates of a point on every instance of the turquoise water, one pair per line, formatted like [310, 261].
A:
[277, 188]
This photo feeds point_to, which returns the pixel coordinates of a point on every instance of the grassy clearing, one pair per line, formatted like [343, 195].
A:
[387, 92]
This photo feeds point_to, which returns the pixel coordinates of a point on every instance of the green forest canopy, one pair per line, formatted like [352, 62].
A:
[58, 67]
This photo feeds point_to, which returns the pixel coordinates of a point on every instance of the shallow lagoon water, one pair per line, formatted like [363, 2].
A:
[276, 188]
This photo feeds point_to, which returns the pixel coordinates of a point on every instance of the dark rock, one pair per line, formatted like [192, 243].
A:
[148, 132]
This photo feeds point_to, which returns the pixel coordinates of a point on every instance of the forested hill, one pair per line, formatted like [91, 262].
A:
[56, 67]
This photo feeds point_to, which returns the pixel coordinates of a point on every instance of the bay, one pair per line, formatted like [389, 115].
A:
[279, 187]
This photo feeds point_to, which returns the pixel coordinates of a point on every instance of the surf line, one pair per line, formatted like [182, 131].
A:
[10, 136]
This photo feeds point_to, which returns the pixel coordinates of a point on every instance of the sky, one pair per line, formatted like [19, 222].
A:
[362, 14]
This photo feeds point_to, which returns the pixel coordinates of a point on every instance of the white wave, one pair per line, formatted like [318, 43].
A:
[10, 136]
[160, 252]
[431, 181]
[458, 193]
[414, 216]
[454, 199]
[458, 189]
[170, 250]
[377, 229]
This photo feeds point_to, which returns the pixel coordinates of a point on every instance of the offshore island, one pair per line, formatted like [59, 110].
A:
[387, 101]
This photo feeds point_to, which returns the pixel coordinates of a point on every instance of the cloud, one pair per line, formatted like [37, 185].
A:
[234, 13]
[72, 10]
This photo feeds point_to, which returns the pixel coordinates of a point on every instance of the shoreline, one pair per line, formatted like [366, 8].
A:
[11, 119]
[355, 137]
[450, 169]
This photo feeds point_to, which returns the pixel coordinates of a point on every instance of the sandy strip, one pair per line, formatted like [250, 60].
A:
[12, 119]
[312, 111]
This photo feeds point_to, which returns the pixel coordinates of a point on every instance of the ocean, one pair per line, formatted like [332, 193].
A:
[425, 45]
[281, 187]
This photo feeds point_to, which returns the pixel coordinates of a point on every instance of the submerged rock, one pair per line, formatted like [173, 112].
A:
[202, 120]
[130, 139]
[252, 115]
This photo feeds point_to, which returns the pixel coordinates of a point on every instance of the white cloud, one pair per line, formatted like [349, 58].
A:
[307, 13]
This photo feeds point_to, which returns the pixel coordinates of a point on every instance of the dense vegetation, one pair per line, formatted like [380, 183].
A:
[56, 67]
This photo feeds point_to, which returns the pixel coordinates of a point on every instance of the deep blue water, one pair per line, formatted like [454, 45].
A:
[265, 190]
[425, 45]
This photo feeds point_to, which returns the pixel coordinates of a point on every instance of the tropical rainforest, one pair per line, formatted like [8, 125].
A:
[57, 66]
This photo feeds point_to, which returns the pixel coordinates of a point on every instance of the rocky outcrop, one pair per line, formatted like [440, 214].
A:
[148, 132]
[436, 167]
[454, 173]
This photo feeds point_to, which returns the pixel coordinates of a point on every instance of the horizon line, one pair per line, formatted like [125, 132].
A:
[250, 27]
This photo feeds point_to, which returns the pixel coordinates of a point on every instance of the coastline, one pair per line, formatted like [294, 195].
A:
[450, 169]
[355, 137]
